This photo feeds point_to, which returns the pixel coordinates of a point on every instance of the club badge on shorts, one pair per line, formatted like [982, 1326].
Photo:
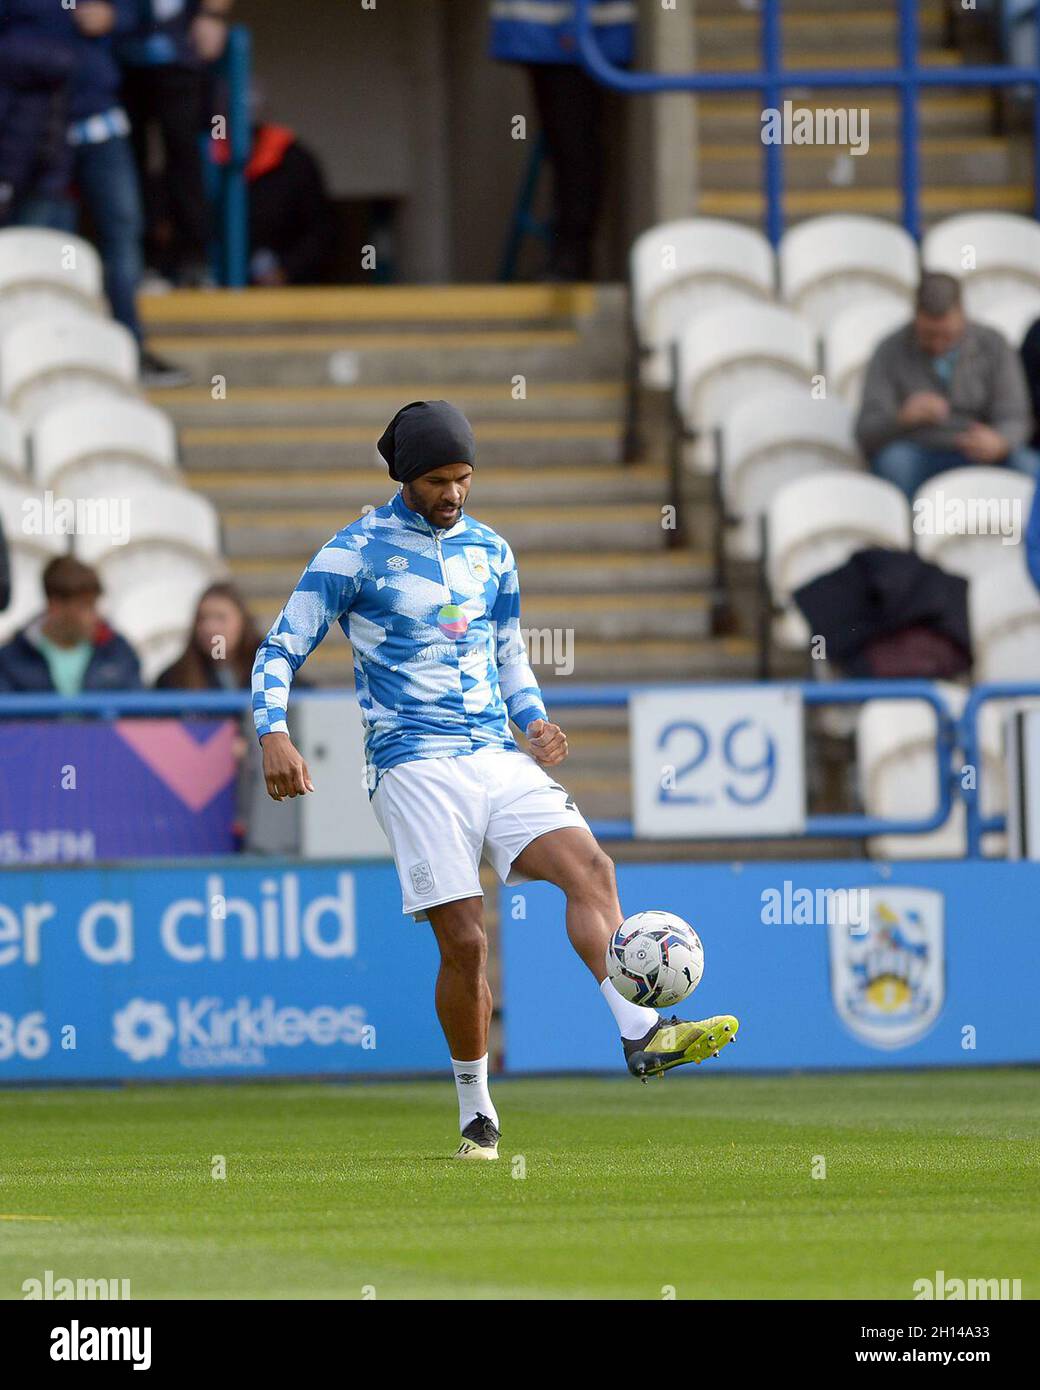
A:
[476, 558]
[422, 877]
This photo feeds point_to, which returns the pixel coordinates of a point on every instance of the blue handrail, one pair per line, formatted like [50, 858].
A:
[968, 739]
[906, 76]
[232, 193]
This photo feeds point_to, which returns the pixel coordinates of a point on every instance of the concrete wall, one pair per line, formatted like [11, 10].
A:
[401, 102]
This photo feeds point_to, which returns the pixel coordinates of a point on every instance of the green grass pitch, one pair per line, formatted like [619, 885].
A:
[700, 1183]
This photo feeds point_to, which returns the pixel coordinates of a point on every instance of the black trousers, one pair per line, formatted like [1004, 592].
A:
[171, 99]
[571, 110]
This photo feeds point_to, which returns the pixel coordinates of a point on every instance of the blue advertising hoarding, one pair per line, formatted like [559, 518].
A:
[73, 791]
[215, 969]
[913, 964]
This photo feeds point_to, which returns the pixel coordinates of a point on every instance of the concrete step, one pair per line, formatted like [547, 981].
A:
[559, 626]
[297, 487]
[373, 406]
[552, 572]
[979, 160]
[806, 30]
[635, 660]
[496, 356]
[377, 308]
[721, 118]
[806, 56]
[292, 449]
[936, 203]
[260, 531]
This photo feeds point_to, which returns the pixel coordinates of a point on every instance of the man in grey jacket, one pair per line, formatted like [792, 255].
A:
[944, 393]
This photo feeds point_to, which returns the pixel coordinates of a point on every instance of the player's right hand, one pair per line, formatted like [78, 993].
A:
[285, 772]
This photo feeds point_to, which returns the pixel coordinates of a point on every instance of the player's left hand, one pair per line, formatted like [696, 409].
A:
[547, 742]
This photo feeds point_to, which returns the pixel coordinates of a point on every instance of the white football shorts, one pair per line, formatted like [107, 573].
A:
[442, 814]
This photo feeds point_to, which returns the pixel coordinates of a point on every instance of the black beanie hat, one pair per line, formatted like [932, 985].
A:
[426, 435]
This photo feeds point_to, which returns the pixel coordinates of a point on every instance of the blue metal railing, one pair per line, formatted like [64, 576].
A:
[907, 76]
[969, 740]
[229, 180]
[951, 734]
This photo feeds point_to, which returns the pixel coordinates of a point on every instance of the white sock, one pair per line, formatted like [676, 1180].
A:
[632, 1019]
[471, 1082]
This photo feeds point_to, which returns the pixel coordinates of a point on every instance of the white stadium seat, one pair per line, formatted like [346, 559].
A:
[1002, 252]
[12, 446]
[682, 268]
[992, 502]
[1004, 615]
[88, 446]
[155, 618]
[169, 530]
[730, 353]
[44, 272]
[828, 263]
[849, 343]
[816, 523]
[1012, 317]
[898, 775]
[44, 362]
[770, 439]
[30, 549]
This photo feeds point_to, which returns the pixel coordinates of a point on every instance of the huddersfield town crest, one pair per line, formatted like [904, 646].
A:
[476, 558]
[888, 980]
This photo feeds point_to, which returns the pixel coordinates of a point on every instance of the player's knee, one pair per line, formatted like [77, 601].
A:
[464, 947]
[594, 876]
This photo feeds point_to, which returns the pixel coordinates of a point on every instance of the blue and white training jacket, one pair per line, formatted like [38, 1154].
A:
[433, 617]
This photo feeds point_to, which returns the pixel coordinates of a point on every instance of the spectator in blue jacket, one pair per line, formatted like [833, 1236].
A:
[98, 136]
[571, 107]
[165, 87]
[1033, 539]
[68, 648]
[36, 62]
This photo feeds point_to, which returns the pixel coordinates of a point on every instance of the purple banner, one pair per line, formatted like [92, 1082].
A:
[73, 791]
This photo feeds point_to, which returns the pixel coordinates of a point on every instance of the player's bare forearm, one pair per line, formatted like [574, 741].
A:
[547, 742]
[285, 771]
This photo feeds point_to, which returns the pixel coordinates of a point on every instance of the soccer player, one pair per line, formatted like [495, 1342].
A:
[430, 602]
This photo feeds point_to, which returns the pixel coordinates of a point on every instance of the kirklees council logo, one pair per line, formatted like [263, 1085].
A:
[208, 1032]
[888, 983]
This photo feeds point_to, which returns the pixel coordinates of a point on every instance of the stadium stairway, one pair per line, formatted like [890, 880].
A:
[292, 389]
[964, 164]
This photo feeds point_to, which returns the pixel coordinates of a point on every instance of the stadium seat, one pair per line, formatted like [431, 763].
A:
[768, 440]
[12, 446]
[1004, 615]
[1012, 317]
[29, 548]
[815, 523]
[83, 450]
[679, 269]
[897, 774]
[44, 362]
[44, 273]
[1005, 248]
[171, 530]
[155, 618]
[828, 263]
[730, 353]
[940, 512]
[849, 343]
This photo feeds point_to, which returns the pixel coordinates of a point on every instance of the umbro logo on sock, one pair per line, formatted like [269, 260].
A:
[466, 1078]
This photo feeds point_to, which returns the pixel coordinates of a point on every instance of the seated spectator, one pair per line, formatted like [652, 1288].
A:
[69, 648]
[944, 393]
[292, 228]
[221, 648]
[5, 572]
[1030, 353]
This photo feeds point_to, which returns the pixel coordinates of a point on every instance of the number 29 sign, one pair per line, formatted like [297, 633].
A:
[710, 762]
